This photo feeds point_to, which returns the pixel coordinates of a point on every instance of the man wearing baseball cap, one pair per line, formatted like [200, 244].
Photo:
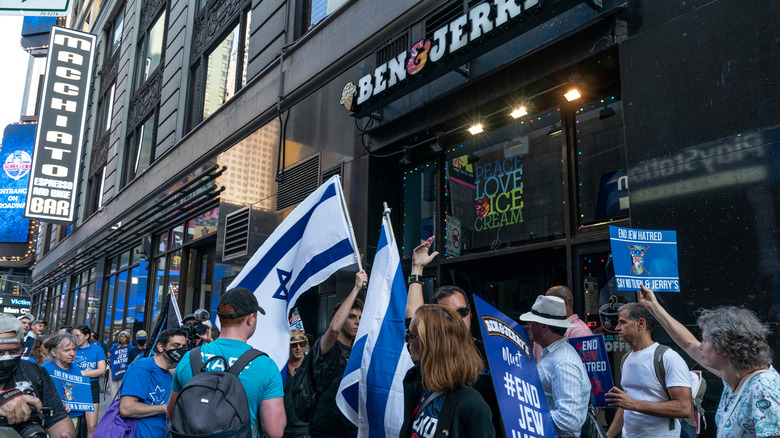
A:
[564, 378]
[36, 329]
[19, 392]
[238, 315]
[140, 346]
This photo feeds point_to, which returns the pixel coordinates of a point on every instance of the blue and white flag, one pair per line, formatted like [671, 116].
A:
[371, 393]
[312, 243]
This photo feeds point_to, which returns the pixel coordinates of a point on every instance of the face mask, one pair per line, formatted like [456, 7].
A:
[8, 365]
[175, 354]
[141, 342]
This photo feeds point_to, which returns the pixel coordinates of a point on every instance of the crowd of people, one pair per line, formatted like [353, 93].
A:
[52, 380]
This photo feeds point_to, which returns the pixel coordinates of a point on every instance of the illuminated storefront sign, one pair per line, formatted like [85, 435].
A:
[52, 189]
[499, 193]
[454, 43]
[15, 157]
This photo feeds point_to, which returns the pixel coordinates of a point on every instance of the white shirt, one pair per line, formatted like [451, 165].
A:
[566, 386]
[640, 383]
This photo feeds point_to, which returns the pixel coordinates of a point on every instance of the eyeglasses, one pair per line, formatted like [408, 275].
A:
[463, 311]
[298, 345]
[408, 336]
[11, 351]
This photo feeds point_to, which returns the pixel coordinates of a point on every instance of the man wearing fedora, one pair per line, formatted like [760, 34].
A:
[564, 378]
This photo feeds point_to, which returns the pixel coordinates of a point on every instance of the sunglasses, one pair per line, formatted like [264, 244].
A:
[11, 351]
[298, 345]
[408, 336]
[463, 311]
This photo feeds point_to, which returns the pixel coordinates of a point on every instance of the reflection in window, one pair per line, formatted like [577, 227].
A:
[105, 108]
[115, 38]
[251, 167]
[505, 186]
[151, 50]
[315, 10]
[419, 206]
[602, 181]
[141, 152]
[159, 287]
[136, 298]
[222, 69]
[202, 226]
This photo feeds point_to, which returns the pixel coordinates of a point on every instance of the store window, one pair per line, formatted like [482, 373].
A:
[313, 11]
[226, 67]
[114, 41]
[125, 293]
[140, 151]
[104, 111]
[150, 50]
[505, 186]
[83, 299]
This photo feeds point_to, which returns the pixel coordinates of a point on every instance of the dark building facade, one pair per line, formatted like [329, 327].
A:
[227, 114]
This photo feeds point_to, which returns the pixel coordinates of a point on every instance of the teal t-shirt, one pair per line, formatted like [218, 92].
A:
[261, 378]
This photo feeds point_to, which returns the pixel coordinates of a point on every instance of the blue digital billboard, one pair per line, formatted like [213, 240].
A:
[16, 159]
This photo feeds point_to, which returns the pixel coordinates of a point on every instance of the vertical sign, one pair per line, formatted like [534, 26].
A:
[51, 194]
[645, 258]
[524, 409]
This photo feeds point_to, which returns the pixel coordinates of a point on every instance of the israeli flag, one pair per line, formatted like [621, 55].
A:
[371, 393]
[312, 243]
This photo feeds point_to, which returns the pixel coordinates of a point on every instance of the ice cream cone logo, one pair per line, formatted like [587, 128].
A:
[348, 95]
[638, 258]
[68, 387]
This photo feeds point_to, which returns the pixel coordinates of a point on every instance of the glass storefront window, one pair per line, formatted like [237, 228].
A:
[174, 272]
[109, 311]
[602, 181]
[419, 206]
[177, 236]
[124, 259]
[119, 307]
[162, 243]
[93, 305]
[136, 298]
[505, 186]
[159, 287]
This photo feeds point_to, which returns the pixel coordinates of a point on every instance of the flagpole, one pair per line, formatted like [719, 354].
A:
[386, 212]
[349, 221]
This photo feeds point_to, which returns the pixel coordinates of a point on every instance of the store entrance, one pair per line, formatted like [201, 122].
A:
[198, 277]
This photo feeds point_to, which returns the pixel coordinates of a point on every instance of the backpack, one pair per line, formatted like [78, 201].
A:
[305, 389]
[698, 388]
[213, 403]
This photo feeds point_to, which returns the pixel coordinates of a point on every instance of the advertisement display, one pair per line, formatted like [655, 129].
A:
[645, 257]
[524, 409]
[16, 159]
[51, 192]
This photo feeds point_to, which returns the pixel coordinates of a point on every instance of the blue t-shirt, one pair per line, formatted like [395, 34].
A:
[73, 388]
[152, 385]
[261, 378]
[87, 358]
[426, 422]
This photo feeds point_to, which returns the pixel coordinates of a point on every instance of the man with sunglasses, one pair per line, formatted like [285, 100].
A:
[25, 384]
[296, 428]
[456, 299]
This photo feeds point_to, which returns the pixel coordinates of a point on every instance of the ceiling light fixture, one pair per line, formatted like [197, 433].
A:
[475, 129]
[438, 145]
[518, 112]
[572, 94]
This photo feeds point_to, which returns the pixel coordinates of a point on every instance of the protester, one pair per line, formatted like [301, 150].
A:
[296, 428]
[201, 325]
[20, 392]
[39, 353]
[92, 361]
[237, 312]
[36, 329]
[65, 329]
[644, 406]
[93, 338]
[456, 299]
[579, 330]
[564, 379]
[734, 348]
[66, 375]
[438, 398]
[26, 320]
[331, 353]
[140, 346]
[118, 363]
[147, 385]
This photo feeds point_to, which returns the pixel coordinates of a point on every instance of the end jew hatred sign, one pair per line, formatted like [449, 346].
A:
[118, 362]
[74, 389]
[593, 352]
[645, 258]
[51, 192]
[524, 409]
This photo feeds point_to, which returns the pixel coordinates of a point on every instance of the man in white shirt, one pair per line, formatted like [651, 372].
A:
[645, 408]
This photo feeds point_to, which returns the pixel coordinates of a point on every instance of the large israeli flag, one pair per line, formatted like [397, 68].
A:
[312, 243]
[371, 394]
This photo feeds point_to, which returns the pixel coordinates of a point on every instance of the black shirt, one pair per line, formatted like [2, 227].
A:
[327, 419]
[43, 388]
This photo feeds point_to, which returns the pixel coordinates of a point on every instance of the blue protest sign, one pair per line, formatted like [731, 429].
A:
[593, 352]
[524, 409]
[118, 361]
[645, 257]
[73, 388]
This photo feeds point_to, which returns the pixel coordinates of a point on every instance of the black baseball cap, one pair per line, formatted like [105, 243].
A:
[243, 300]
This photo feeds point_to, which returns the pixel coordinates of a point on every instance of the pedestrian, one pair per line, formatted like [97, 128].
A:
[579, 330]
[564, 379]
[733, 347]
[238, 313]
[296, 428]
[92, 361]
[66, 375]
[645, 408]
[36, 329]
[438, 397]
[140, 346]
[39, 353]
[331, 353]
[147, 385]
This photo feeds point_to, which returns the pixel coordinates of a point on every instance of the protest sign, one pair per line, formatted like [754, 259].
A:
[645, 257]
[118, 361]
[593, 352]
[73, 388]
[524, 409]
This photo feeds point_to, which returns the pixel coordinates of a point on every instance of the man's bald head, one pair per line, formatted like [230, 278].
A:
[565, 294]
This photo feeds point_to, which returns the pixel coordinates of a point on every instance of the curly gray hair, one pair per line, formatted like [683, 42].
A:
[737, 333]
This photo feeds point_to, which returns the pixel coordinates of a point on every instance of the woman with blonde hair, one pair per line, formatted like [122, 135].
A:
[438, 398]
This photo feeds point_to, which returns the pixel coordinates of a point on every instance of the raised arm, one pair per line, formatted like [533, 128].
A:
[681, 335]
[420, 259]
[329, 338]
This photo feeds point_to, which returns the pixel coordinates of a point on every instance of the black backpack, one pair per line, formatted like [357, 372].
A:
[213, 404]
[305, 389]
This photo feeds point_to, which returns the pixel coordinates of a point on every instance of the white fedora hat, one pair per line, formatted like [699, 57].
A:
[548, 310]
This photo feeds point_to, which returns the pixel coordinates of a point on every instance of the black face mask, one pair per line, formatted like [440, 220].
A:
[8, 366]
[175, 354]
[141, 342]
